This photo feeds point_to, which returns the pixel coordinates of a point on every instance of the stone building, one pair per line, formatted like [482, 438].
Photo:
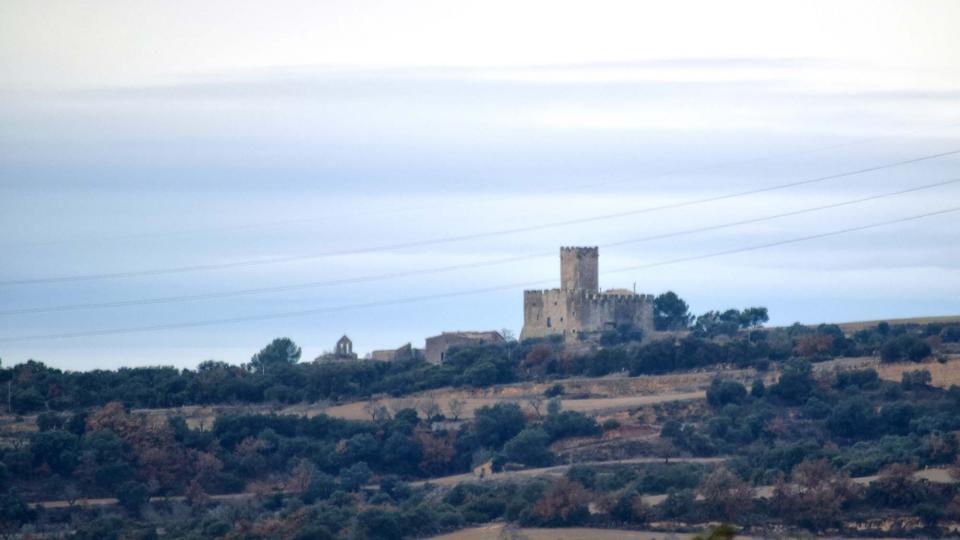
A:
[579, 306]
[437, 346]
[405, 352]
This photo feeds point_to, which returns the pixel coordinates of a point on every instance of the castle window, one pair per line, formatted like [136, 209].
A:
[548, 322]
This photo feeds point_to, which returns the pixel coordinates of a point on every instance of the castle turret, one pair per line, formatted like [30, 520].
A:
[579, 269]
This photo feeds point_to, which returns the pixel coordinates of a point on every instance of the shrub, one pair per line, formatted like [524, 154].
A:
[554, 391]
[723, 392]
[529, 447]
[915, 379]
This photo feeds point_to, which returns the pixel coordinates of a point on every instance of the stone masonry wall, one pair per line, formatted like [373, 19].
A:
[579, 268]
[569, 312]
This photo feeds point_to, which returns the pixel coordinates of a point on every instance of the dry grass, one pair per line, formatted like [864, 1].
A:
[854, 326]
[942, 375]
[355, 411]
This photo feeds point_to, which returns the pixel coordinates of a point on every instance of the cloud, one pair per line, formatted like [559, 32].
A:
[537, 81]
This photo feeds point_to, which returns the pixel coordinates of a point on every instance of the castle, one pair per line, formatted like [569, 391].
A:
[578, 306]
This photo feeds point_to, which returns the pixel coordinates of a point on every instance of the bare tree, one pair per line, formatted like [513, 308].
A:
[456, 407]
[429, 407]
[536, 403]
[511, 532]
[372, 408]
[301, 476]
[725, 495]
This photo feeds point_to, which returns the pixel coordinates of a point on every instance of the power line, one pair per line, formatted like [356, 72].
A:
[464, 266]
[665, 174]
[409, 300]
[460, 238]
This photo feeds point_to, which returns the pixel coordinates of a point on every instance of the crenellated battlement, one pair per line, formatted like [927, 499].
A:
[580, 250]
[612, 298]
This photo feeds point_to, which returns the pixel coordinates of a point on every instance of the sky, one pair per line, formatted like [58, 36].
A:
[183, 181]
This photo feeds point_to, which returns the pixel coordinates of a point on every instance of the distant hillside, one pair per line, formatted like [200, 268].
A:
[854, 326]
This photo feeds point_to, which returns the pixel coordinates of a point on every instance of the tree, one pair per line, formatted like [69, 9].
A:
[56, 449]
[915, 379]
[376, 410]
[301, 476]
[497, 424]
[355, 476]
[456, 407]
[725, 495]
[529, 447]
[132, 496]
[854, 418]
[377, 524]
[564, 503]
[570, 424]
[929, 514]
[401, 453]
[715, 323]
[722, 392]
[816, 497]
[670, 312]
[536, 403]
[795, 383]
[753, 317]
[905, 347]
[437, 452]
[814, 345]
[13, 511]
[281, 351]
[536, 362]
[429, 407]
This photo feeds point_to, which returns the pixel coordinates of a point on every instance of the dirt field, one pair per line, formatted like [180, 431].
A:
[860, 325]
[943, 375]
[356, 411]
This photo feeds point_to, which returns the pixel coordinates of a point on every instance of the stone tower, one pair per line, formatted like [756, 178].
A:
[579, 269]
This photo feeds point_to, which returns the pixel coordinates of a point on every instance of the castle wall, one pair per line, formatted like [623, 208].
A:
[569, 312]
[544, 313]
[598, 312]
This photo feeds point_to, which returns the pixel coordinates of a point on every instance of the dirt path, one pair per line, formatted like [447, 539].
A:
[84, 503]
